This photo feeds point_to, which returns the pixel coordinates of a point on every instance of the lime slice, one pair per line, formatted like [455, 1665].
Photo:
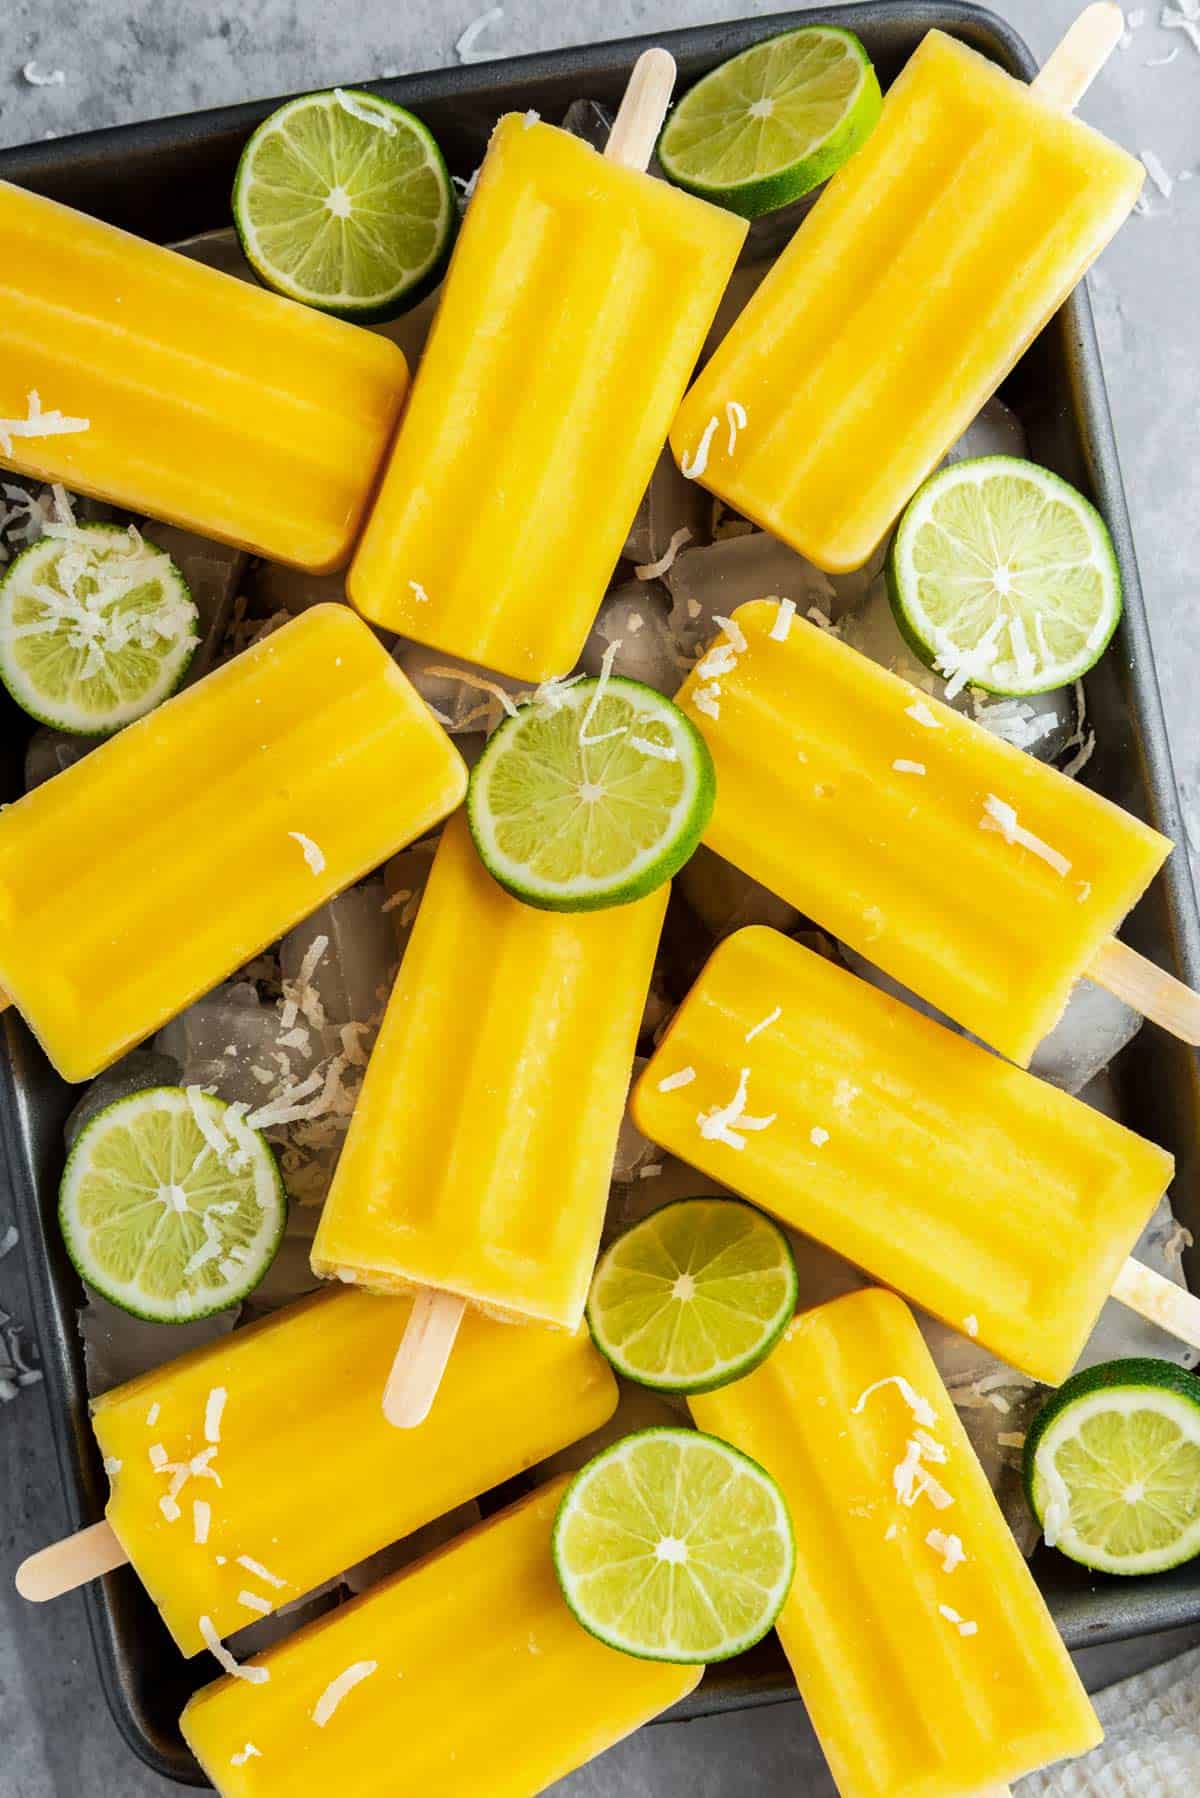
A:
[694, 1296]
[97, 627]
[1112, 1467]
[591, 797]
[773, 122]
[1002, 573]
[343, 201]
[674, 1547]
[171, 1207]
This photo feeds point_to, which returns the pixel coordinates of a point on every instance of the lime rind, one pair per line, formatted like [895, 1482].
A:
[342, 201]
[672, 1545]
[1112, 1467]
[141, 653]
[768, 126]
[136, 1197]
[592, 800]
[1001, 514]
[744, 1273]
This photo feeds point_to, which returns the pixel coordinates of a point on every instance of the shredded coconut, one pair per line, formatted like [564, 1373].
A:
[921, 712]
[253, 1676]
[781, 628]
[1002, 817]
[314, 855]
[597, 697]
[253, 1602]
[338, 1688]
[903, 767]
[911, 1479]
[649, 571]
[37, 423]
[261, 1572]
[112, 1466]
[201, 1519]
[692, 467]
[662, 752]
[35, 77]
[971, 1324]
[921, 1409]
[360, 108]
[213, 1411]
[960, 1623]
[249, 1752]
[949, 1547]
[818, 1137]
[673, 1082]
[1157, 172]
[717, 1125]
[763, 1024]
[735, 417]
[706, 700]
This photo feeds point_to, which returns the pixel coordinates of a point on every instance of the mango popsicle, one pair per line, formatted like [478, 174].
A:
[577, 302]
[994, 1200]
[983, 880]
[480, 1152]
[921, 1645]
[134, 881]
[204, 400]
[462, 1675]
[230, 1468]
[923, 273]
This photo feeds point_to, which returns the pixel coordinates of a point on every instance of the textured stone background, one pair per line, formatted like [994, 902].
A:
[129, 59]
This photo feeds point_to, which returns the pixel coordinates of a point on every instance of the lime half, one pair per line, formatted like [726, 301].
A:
[694, 1296]
[170, 1206]
[97, 627]
[591, 797]
[774, 122]
[674, 1547]
[1112, 1467]
[343, 201]
[1003, 574]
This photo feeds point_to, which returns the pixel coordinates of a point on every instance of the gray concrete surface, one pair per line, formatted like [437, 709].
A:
[130, 59]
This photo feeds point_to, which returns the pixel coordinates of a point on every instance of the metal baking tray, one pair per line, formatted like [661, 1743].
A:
[171, 178]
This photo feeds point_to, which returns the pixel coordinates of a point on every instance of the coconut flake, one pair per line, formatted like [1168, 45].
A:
[201, 1519]
[361, 109]
[662, 752]
[949, 1547]
[112, 1466]
[735, 633]
[735, 417]
[253, 1676]
[1011, 1438]
[594, 702]
[1154, 167]
[706, 700]
[922, 714]
[338, 1688]
[903, 767]
[37, 423]
[1001, 817]
[961, 1624]
[169, 1508]
[249, 1752]
[261, 1572]
[763, 1024]
[971, 1324]
[921, 1409]
[36, 78]
[253, 1602]
[692, 467]
[159, 1458]
[649, 571]
[314, 855]
[717, 1125]
[785, 612]
[673, 1082]
[818, 1137]
[464, 47]
[213, 1411]
[1185, 18]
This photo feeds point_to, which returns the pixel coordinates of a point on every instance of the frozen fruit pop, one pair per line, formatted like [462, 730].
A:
[480, 1153]
[134, 881]
[925, 270]
[132, 373]
[577, 302]
[994, 1200]
[462, 1675]
[920, 1643]
[979, 878]
[251, 1471]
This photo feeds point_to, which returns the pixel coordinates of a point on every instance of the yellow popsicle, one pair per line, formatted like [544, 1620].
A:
[577, 301]
[989, 1197]
[925, 270]
[134, 881]
[249, 1472]
[207, 401]
[981, 879]
[463, 1675]
[921, 1645]
[480, 1152]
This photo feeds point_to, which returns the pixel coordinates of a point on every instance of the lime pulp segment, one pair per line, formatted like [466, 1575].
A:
[343, 201]
[673, 1546]
[170, 1206]
[1003, 574]
[774, 122]
[693, 1296]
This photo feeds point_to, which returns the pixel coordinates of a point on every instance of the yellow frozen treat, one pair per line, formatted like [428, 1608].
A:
[462, 1675]
[170, 388]
[927, 267]
[480, 1152]
[990, 1198]
[251, 1471]
[134, 881]
[577, 302]
[921, 1645]
[983, 880]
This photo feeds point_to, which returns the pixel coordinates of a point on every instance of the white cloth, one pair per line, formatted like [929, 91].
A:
[1152, 1741]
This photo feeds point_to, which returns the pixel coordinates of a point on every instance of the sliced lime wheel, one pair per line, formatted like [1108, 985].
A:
[774, 122]
[1112, 1467]
[343, 201]
[1001, 571]
[694, 1295]
[97, 627]
[674, 1546]
[170, 1206]
[591, 798]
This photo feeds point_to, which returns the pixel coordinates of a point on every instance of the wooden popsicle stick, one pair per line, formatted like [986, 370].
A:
[421, 1358]
[642, 111]
[1159, 1301]
[1070, 70]
[70, 1563]
[1152, 991]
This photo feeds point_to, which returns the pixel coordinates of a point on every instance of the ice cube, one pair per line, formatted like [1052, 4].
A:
[725, 899]
[461, 695]
[48, 752]
[1092, 1031]
[411, 1548]
[118, 1347]
[590, 121]
[996, 431]
[229, 1041]
[274, 588]
[353, 976]
[670, 503]
[635, 616]
[213, 572]
[132, 1074]
[634, 1151]
[265, 1632]
[404, 880]
[290, 1275]
[721, 576]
